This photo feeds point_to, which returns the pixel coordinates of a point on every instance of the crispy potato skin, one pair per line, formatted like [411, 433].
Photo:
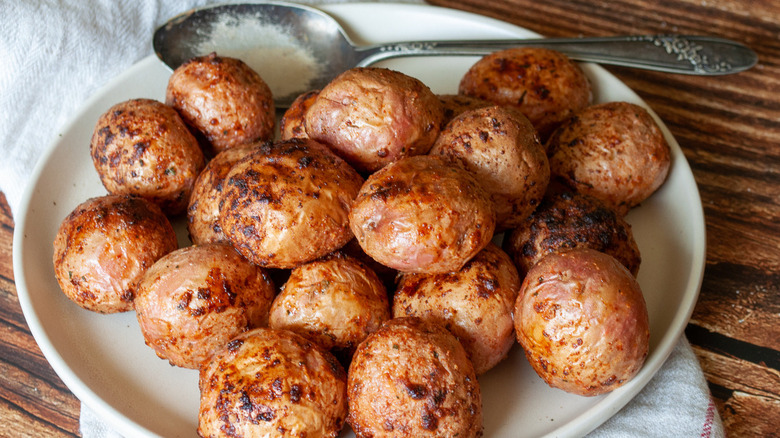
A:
[420, 214]
[293, 122]
[336, 302]
[582, 321]
[412, 378]
[543, 84]
[456, 104]
[374, 116]
[223, 99]
[475, 304]
[104, 246]
[191, 302]
[274, 198]
[269, 382]
[203, 210]
[565, 220]
[142, 147]
[614, 151]
[499, 146]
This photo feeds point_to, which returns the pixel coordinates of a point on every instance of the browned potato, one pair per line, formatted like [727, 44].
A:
[411, 379]
[268, 383]
[566, 219]
[614, 151]
[475, 304]
[104, 246]
[223, 99]
[420, 214]
[455, 104]
[288, 203]
[582, 321]
[142, 147]
[500, 148]
[543, 84]
[374, 116]
[336, 302]
[195, 299]
[293, 122]
[203, 209]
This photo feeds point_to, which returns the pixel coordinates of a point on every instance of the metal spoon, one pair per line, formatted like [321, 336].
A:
[306, 48]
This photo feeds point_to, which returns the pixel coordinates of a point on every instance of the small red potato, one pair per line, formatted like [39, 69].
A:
[223, 99]
[272, 383]
[335, 301]
[565, 220]
[373, 116]
[582, 321]
[456, 104]
[105, 245]
[191, 302]
[613, 151]
[288, 203]
[142, 147]
[475, 304]
[411, 379]
[420, 214]
[500, 148]
[543, 84]
[203, 210]
[293, 122]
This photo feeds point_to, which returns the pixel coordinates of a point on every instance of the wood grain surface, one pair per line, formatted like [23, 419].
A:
[729, 130]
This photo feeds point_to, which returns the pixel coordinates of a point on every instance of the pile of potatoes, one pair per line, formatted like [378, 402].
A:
[389, 247]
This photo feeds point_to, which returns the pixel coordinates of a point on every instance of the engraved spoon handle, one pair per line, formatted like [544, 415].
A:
[686, 54]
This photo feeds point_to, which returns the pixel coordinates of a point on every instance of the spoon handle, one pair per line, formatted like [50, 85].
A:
[685, 54]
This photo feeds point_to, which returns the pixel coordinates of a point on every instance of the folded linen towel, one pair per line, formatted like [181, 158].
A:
[52, 67]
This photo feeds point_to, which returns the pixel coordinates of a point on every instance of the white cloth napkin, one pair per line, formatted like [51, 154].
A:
[56, 53]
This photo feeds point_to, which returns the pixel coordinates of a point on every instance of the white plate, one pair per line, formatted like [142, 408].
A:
[103, 358]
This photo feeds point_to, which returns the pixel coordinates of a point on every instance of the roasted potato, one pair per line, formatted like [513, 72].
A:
[223, 99]
[420, 214]
[335, 301]
[293, 122]
[269, 382]
[288, 203]
[614, 151]
[456, 104]
[543, 84]
[142, 147]
[410, 379]
[565, 220]
[192, 301]
[373, 116]
[582, 321]
[104, 246]
[500, 148]
[474, 303]
[203, 209]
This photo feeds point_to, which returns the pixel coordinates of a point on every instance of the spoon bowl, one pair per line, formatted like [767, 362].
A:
[297, 48]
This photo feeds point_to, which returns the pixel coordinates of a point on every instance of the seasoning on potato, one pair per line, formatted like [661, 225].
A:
[203, 223]
[613, 151]
[373, 116]
[105, 245]
[410, 379]
[566, 220]
[293, 121]
[223, 99]
[500, 148]
[142, 147]
[475, 304]
[335, 301]
[582, 320]
[267, 382]
[288, 203]
[192, 301]
[421, 214]
[543, 84]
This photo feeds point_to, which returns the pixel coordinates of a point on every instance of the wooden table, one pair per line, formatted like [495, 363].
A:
[729, 130]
